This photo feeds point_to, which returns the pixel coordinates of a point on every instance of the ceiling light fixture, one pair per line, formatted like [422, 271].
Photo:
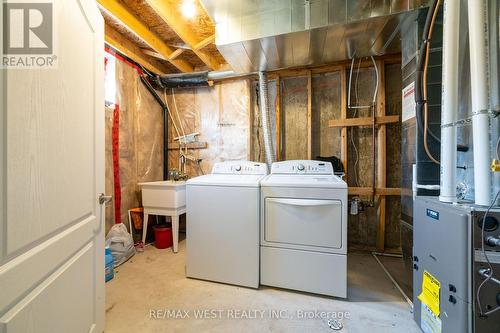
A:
[188, 9]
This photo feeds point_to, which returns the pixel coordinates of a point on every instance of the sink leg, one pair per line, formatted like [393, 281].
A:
[175, 232]
[145, 228]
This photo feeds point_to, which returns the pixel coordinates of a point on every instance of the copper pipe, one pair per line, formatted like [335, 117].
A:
[426, 121]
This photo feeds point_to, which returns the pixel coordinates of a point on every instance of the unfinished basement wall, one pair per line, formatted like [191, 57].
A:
[227, 117]
[326, 141]
[220, 114]
[140, 141]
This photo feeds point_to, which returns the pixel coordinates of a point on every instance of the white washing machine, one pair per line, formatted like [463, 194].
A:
[304, 228]
[222, 224]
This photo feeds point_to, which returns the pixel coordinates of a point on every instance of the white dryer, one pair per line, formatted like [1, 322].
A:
[304, 228]
[222, 223]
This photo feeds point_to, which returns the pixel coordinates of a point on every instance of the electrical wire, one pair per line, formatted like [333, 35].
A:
[171, 118]
[490, 267]
[357, 158]
[173, 121]
[426, 66]
[354, 114]
[350, 80]
[356, 86]
[374, 177]
[355, 108]
[180, 122]
[375, 93]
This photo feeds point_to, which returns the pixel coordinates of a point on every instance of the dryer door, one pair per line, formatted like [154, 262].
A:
[303, 222]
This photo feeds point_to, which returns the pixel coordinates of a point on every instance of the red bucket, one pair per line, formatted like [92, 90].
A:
[163, 236]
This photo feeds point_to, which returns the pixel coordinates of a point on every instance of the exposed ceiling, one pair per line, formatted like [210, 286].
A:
[158, 35]
[252, 35]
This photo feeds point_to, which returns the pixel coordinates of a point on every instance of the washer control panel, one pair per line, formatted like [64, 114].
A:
[306, 167]
[240, 168]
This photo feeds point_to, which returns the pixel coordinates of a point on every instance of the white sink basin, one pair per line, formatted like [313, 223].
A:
[164, 195]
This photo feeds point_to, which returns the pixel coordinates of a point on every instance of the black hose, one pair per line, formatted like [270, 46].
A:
[184, 80]
[164, 107]
[428, 20]
[419, 99]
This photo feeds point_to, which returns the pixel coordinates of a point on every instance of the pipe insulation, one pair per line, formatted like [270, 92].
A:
[449, 109]
[185, 80]
[266, 119]
[478, 40]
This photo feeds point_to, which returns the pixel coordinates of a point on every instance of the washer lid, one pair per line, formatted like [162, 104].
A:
[227, 180]
[324, 181]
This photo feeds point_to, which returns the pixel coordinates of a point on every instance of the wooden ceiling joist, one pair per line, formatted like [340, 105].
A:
[205, 42]
[176, 22]
[153, 54]
[116, 9]
[119, 42]
[174, 55]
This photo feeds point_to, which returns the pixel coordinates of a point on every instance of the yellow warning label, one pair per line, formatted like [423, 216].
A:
[430, 293]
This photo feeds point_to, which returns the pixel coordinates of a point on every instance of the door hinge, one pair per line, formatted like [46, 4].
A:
[104, 199]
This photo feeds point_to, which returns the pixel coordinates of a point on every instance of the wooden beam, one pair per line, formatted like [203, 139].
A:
[330, 68]
[367, 191]
[116, 9]
[381, 156]
[171, 16]
[309, 115]
[174, 55]
[364, 121]
[122, 44]
[334, 66]
[207, 41]
[278, 118]
[153, 54]
[343, 115]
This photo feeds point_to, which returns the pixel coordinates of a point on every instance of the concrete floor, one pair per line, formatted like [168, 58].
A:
[399, 272]
[154, 281]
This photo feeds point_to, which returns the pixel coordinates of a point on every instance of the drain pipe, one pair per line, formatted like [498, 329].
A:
[451, 28]
[478, 33]
[266, 119]
[415, 185]
[164, 107]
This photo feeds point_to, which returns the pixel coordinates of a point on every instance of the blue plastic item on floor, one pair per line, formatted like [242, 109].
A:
[110, 263]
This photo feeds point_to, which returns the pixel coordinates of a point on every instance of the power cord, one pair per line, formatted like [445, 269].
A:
[489, 274]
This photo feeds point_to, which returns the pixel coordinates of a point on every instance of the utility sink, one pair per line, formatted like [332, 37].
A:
[166, 194]
[167, 198]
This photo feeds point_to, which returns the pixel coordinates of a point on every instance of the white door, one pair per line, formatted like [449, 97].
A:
[52, 169]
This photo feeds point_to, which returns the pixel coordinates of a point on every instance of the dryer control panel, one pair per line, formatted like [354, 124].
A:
[239, 168]
[306, 167]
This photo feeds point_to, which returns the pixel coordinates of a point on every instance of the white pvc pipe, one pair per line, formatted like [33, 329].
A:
[478, 39]
[449, 109]
[415, 186]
